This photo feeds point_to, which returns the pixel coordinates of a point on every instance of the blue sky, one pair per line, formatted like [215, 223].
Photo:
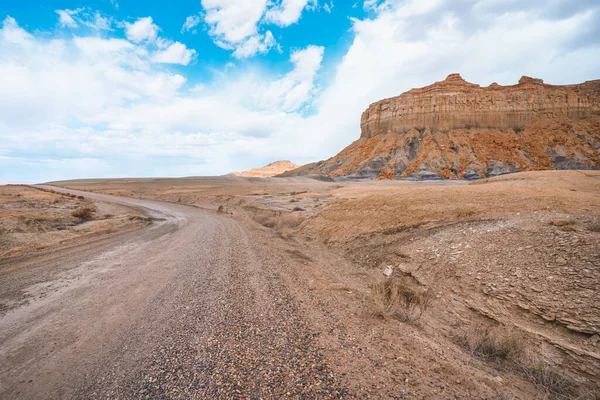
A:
[113, 88]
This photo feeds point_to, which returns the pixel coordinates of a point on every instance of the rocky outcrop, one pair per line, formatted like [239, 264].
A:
[273, 169]
[458, 130]
[455, 103]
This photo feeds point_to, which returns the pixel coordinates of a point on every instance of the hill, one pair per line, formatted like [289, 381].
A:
[458, 130]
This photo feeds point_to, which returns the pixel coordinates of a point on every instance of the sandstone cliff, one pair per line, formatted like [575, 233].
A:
[454, 129]
[273, 169]
[455, 103]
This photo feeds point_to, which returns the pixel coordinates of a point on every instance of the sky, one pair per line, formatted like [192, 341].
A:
[132, 88]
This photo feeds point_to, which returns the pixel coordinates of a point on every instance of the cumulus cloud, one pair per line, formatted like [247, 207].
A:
[288, 12]
[190, 23]
[257, 44]
[141, 30]
[239, 25]
[174, 53]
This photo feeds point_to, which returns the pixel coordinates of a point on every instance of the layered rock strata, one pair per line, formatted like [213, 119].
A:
[455, 103]
[458, 130]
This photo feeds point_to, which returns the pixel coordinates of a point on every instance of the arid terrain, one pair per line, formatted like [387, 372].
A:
[34, 219]
[492, 290]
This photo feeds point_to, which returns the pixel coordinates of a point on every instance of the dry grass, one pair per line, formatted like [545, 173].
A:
[84, 213]
[279, 221]
[494, 343]
[509, 348]
[399, 299]
[551, 381]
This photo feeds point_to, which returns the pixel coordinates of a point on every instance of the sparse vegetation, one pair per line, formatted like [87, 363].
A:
[396, 298]
[551, 381]
[494, 343]
[84, 213]
[504, 346]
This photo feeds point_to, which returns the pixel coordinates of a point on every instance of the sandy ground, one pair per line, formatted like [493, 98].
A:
[517, 254]
[32, 219]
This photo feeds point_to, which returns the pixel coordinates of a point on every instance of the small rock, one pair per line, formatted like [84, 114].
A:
[498, 379]
[550, 317]
[388, 271]
[561, 261]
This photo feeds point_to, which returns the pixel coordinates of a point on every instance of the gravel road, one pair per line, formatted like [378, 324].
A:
[189, 307]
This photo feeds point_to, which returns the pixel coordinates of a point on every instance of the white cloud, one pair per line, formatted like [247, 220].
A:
[240, 25]
[257, 44]
[232, 22]
[190, 23]
[98, 22]
[93, 46]
[141, 30]
[175, 53]
[81, 16]
[375, 5]
[296, 87]
[288, 12]
[65, 18]
[12, 33]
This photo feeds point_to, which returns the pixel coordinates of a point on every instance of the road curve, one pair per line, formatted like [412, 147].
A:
[189, 307]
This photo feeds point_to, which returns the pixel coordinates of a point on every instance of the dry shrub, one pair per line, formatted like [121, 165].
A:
[549, 380]
[84, 213]
[399, 299]
[509, 348]
[279, 221]
[594, 228]
[495, 343]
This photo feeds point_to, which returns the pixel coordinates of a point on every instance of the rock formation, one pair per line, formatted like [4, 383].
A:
[275, 168]
[455, 103]
[455, 129]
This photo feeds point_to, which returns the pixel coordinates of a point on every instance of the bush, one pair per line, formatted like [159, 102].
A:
[509, 348]
[547, 379]
[84, 213]
[398, 299]
[494, 343]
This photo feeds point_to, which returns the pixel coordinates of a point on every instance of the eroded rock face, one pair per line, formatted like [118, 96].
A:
[457, 130]
[455, 103]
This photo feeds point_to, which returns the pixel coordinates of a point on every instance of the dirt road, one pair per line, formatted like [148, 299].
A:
[189, 307]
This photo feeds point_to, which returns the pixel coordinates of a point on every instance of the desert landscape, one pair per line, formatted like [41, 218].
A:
[434, 296]
[300, 199]
[442, 260]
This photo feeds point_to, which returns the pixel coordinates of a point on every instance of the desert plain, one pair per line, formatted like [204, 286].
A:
[239, 287]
